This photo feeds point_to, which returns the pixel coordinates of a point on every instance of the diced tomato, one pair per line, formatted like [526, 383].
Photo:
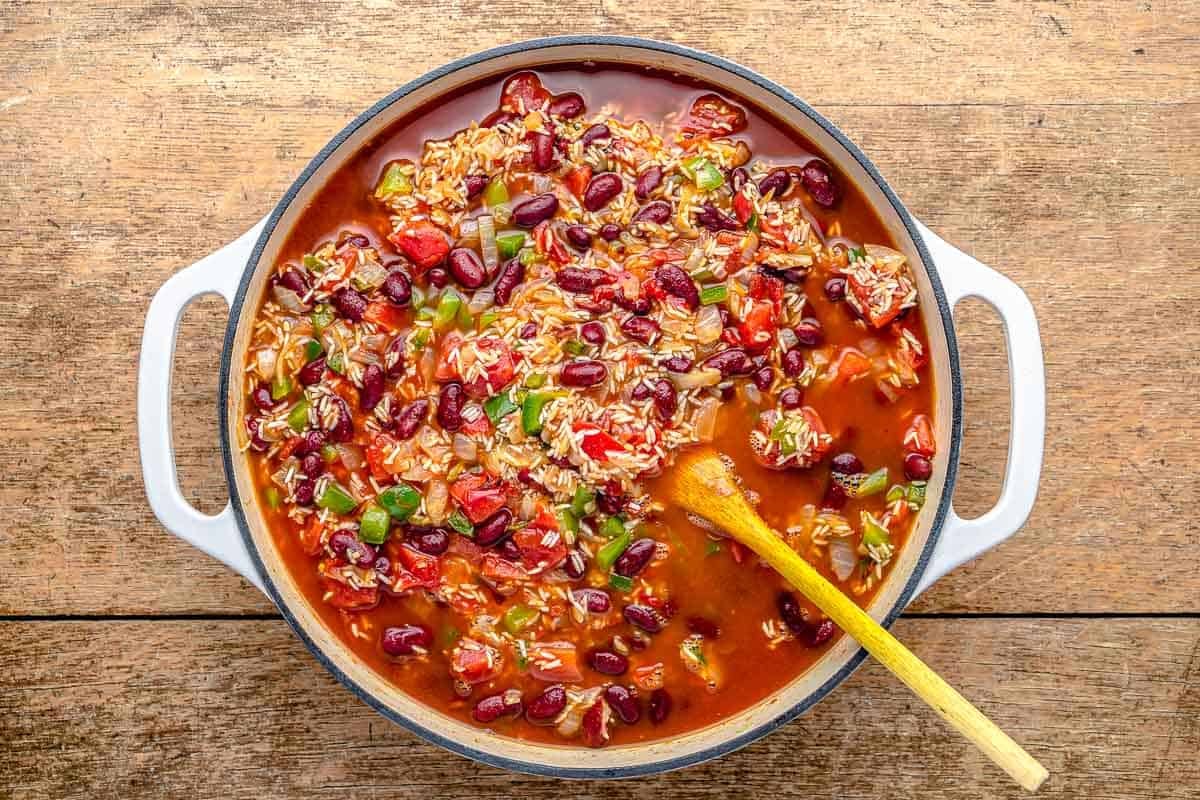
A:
[742, 207]
[919, 437]
[849, 364]
[554, 662]
[385, 315]
[712, 114]
[548, 244]
[501, 366]
[596, 443]
[817, 425]
[424, 243]
[310, 536]
[540, 548]
[478, 496]
[479, 426]
[596, 722]
[498, 569]
[766, 287]
[463, 547]
[523, 93]
[447, 360]
[578, 179]
[878, 317]
[377, 457]
[347, 598]
[757, 330]
[474, 662]
[411, 569]
[289, 447]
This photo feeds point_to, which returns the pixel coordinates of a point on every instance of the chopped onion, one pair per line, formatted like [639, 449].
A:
[705, 419]
[888, 391]
[572, 718]
[487, 243]
[749, 247]
[481, 301]
[427, 365]
[369, 275]
[842, 241]
[542, 183]
[708, 324]
[885, 254]
[468, 233]
[436, 498]
[465, 448]
[351, 455]
[787, 339]
[752, 394]
[264, 362]
[696, 378]
[375, 341]
[842, 559]
[288, 300]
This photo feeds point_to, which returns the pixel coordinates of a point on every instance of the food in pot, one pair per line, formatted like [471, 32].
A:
[481, 349]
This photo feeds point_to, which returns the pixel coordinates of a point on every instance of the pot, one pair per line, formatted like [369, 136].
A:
[941, 541]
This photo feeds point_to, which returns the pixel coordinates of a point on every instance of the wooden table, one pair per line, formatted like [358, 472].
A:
[1057, 142]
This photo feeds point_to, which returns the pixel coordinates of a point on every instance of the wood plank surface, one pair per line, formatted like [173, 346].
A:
[237, 709]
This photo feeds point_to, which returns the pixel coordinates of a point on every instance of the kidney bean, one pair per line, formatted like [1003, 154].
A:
[763, 377]
[792, 613]
[643, 329]
[610, 501]
[578, 281]
[730, 361]
[293, 279]
[493, 529]
[809, 332]
[393, 358]
[312, 465]
[594, 134]
[567, 106]
[793, 362]
[658, 212]
[304, 491]
[738, 177]
[475, 184]
[410, 417]
[311, 442]
[639, 305]
[594, 600]
[665, 399]
[512, 274]
[349, 238]
[624, 703]
[818, 180]
[778, 181]
[528, 330]
[644, 617]
[346, 545]
[583, 372]
[835, 289]
[640, 391]
[593, 333]
[349, 304]
[579, 237]
[262, 398]
[648, 181]
[534, 210]
[846, 464]
[917, 467]
[575, 566]
[610, 231]
[372, 387]
[467, 267]
[406, 640]
[678, 364]
[712, 218]
[546, 707]
[820, 633]
[635, 558]
[498, 118]
[678, 283]
[793, 276]
[660, 706]
[397, 287]
[607, 662]
[450, 405]
[432, 541]
[382, 566]
[542, 151]
[509, 551]
[600, 191]
[312, 372]
[438, 277]
[492, 708]
[343, 426]
[704, 626]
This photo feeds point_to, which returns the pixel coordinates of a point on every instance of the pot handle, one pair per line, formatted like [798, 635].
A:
[219, 536]
[964, 539]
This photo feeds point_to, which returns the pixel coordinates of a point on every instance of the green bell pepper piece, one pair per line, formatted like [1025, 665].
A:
[574, 347]
[874, 534]
[273, 498]
[495, 193]
[394, 181]
[612, 526]
[312, 349]
[711, 295]
[401, 501]
[607, 555]
[297, 418]
[620, 582]
[447, 310]
[337, 363]
[459, 522]
[583, 498]
[337, 499]
[374, 524]
[509, 244]
[281, 385]
[322, 317]
[498, 407]
[518, 618]
[531, 410]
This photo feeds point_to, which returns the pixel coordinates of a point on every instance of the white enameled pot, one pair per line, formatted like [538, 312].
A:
[942, 540]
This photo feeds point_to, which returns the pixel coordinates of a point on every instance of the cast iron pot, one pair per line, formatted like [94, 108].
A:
[942, 540]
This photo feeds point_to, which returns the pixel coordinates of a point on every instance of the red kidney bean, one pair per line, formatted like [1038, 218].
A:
[635, 558]
[809, 332]
[738, 177]
[665, 399]
[624, 703]
[578, 281]
[917, 467]
[763, 377]
[534, 210]
[726, 317]
[262, 398]
[431, 541]
[393, 358]
[410, 417]
[578, 236]
[438, 277]
[351, 239]
[575, 566]
[792, 613]
[793, 362]
[311, 442]
[493, 529]
[346, 545]
[542, 151]
[312, 465]
[382, 566]
[372, 387]
[406, 640]
[610, 231]
[660, 706]
[349, 304]
[594, 134]
[467, 267]
[546, 707]
[528, 330]
[592, 333]
[644, 617]
[639, 305]
[293, 279]
[475, 184]
[658, 212]
[818, 180]
[820, 633]
[512, 275]
[498, 118]
[846, 464]
[567, 106]
[343, 426]
[607, 662]
[611, 500]
[835, 497]
[678, 283]
[704, 626]
[640, 391]
[778, 181]
[600, 191]
[594, 600]
[835, 289]
[397, 287]
[714, 219]
[793, 276]
[492, 708]
[509, 551]
[648, 181]
[678, 364]
[312, 372]
[643, 329]
[730, 361]
[304, 491]
[450, 405]
[583, 372]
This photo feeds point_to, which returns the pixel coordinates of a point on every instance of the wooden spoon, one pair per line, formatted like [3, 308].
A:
[704, 487]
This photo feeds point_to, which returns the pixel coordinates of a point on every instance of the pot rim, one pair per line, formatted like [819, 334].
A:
[726, 745]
